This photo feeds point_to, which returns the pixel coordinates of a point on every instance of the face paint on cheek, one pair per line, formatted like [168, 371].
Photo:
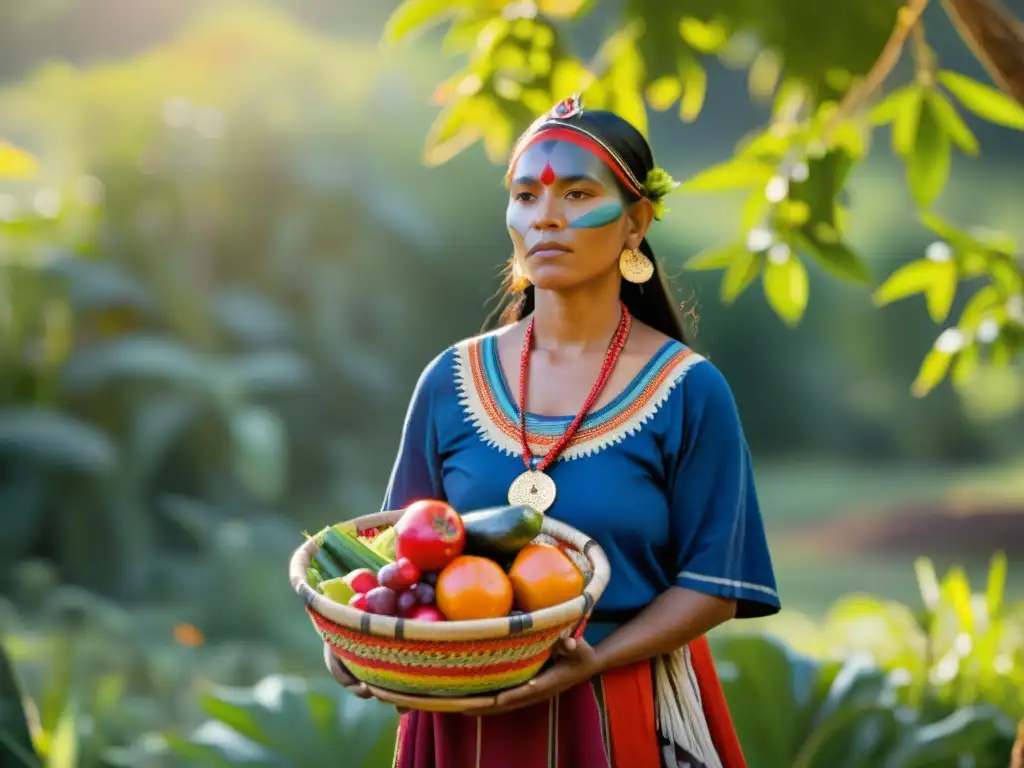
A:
[517, 218]
[602, 216]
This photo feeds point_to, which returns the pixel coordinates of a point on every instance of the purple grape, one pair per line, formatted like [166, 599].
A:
[425, 594]
[388, 575]
[381, 601]
[407, 600]
[429, 578]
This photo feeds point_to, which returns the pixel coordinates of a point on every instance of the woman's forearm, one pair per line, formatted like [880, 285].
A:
[675, 618]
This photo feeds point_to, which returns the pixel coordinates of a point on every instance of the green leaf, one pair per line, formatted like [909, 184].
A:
[740, 274]
[453, 130]
[949, 120]
[933, 369]
[913, 278]
[904, 127]
[56, 439]
[214, 745]
[820, 191]
[889, 108]
[983, 100]
[928, 584]
[289, 721]
[16, 163]
[942, 290]
[978, 307]
[732, 174]
[694, 79]
[663, 92]
[260, 452]
[956, 594]
[996, 587]
[786, 288]
[856, 735]
[968, 731]
[966, 365]
[929, 161]
[770, 690]
[835, 257]
[703, 36]
[415, 15]
[63, 748]
[140, 357]
[564, 9]
[718, 257]
[16, 748]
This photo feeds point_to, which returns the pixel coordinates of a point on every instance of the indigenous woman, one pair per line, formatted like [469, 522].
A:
[588, 404]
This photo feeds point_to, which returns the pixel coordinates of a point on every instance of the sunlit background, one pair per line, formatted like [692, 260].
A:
[218, 290]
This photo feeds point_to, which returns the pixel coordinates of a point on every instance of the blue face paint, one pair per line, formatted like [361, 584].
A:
[586, 190]
[602, 216]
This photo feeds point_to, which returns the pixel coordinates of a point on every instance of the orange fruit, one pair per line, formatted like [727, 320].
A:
[472, 587]
[542, 575]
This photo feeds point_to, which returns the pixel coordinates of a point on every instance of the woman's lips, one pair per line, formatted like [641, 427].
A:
[547, 250]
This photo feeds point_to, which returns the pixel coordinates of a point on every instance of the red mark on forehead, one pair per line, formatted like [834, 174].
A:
[547, 176]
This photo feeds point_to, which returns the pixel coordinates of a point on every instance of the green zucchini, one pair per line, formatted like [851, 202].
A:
[501, 531]
[349, 552]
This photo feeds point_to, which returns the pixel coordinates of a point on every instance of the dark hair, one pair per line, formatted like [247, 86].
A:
[650, 302]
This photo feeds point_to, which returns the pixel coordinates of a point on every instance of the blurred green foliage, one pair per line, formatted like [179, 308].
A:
[180, 323]
[218, 239]
[818, 70]
[884, 685]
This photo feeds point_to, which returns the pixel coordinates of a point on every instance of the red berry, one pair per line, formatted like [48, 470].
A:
[426, 613]
[358, 601]
[362, 580]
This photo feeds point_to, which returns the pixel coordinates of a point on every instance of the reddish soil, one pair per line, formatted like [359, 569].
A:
[963, 530]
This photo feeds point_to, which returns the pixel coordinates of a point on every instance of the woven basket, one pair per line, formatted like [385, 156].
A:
[437, 665]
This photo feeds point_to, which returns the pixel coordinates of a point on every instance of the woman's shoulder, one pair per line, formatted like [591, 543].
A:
[694, 379]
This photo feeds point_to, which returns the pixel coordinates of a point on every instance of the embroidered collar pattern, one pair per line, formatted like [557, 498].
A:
[487, 402]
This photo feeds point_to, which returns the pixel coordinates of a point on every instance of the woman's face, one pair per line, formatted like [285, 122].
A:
[567, 216]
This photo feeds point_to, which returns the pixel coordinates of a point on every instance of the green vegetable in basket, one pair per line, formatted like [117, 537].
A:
[313, 577]
[348, 551]
[386, 542]
[337, 590]
[501, 531]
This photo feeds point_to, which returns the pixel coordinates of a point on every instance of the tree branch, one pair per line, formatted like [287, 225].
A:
[906, 20]
[996, 37]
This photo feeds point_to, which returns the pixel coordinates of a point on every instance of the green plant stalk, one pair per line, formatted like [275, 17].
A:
[325, 567]
[350, 553]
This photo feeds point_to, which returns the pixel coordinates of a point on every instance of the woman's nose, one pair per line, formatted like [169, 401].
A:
[549, 213]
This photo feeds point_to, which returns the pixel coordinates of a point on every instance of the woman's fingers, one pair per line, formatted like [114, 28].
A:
[343, 676]
[563, 647]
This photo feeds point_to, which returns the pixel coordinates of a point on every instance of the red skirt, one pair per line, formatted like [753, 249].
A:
[610, 722]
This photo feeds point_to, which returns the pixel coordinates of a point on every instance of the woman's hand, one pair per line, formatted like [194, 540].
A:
[343, 676]
[576, 662]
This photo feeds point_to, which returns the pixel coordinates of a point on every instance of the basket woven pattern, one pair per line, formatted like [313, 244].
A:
[440, 668]
[449, 661]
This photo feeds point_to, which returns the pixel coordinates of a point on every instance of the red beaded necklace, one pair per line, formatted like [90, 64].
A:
[534, 487]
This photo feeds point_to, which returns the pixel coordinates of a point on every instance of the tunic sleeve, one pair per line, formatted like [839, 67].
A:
[416, 473]
[721, 547]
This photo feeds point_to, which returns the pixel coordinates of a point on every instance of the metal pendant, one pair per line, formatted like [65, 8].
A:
[534, 489]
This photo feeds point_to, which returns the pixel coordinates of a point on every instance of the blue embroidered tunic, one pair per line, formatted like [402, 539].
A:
[660, 477]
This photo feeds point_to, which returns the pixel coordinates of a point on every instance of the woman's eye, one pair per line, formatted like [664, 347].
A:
[577, 194]
[524, 197]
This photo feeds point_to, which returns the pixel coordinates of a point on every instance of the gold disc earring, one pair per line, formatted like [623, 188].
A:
[635, 266]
